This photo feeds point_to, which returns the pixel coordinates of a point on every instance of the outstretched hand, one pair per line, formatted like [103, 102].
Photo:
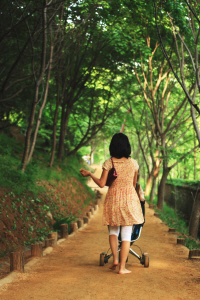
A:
[84, 173]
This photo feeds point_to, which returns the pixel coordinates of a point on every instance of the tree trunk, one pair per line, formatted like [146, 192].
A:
[42, 106]
[184, 170]
[153, 188]
[105, 148]
[63, 129]
[92, 155]
[161, 188]
[35, 100]
[195, 157]
[29, 131]
[148, 185]
[53, 148]
[155, 174]
[194, 218]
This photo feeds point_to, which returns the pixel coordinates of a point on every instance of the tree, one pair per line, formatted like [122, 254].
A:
[182, 15]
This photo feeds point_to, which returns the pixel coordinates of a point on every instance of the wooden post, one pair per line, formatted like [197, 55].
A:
[17, 261]
[73, 227]
[47, 243]
[64, 231]
[172, 230]
[36, 250]
[53, 235]
[181, 241]
[92, 210]
[194, 254]
[50, 243]
[96, 207]
[80, 223]
[85, 220]
[98, 201]
[89, 214]
[156, 215]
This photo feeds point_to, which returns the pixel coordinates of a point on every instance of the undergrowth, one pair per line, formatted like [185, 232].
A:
[183, 182]
[169, 216]
[12, 176]
[27, 198]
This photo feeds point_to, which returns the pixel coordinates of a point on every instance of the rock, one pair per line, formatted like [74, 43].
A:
[49, 215]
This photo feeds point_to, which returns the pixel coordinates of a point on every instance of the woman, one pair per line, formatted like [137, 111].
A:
[122, 206]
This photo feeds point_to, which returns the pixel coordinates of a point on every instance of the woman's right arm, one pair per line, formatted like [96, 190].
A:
[101, 182]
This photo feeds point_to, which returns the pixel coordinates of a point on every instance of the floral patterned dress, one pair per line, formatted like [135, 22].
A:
[122, 205]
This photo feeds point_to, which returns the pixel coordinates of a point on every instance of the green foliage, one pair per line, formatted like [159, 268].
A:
[169, 216]
[191, 244]
[184, 182]
[11, 175]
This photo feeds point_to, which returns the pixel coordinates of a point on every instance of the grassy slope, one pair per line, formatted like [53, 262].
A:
[28, 200]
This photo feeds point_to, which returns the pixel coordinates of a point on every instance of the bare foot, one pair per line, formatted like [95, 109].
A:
[113, 266]
[125, 271]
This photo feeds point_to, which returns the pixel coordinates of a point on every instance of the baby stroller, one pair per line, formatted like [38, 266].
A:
[136, 232]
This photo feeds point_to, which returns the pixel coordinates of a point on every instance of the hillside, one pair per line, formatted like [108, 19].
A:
[31, 204]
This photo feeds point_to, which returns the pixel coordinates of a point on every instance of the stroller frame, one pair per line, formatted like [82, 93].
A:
[136, 232]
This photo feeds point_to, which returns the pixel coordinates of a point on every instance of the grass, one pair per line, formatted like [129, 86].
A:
[169, 216]
[12, 177]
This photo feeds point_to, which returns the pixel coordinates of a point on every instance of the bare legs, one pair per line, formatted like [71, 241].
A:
[123, 257]
[113, 239]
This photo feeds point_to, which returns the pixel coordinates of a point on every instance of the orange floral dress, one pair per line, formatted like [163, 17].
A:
[122, 205]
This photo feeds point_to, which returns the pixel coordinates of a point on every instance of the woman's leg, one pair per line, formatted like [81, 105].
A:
[113, 239]
[126, 238]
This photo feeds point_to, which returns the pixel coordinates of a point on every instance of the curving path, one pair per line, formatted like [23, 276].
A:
[72, 270]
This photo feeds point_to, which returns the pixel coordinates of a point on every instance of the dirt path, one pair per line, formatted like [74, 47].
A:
[72, 270]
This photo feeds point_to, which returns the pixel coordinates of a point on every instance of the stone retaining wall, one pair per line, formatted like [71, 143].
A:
[181, 198]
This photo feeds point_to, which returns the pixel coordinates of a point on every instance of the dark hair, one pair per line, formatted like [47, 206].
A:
[120, 146]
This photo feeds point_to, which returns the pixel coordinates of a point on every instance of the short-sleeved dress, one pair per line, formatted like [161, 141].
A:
[122, 205]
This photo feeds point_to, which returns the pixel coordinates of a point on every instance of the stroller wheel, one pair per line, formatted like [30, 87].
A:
[101, 262]
[146, 260]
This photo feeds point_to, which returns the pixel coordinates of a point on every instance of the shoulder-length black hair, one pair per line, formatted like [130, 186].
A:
[120, 146]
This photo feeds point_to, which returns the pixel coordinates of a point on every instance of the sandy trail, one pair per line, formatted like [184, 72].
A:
[72, 270]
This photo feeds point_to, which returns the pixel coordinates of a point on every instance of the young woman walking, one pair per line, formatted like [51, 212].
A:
[122, 207]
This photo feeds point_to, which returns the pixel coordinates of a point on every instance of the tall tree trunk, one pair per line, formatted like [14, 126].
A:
[53, 148]
[43, 104]
[153, 188]
[105, 148]
[161, 188]
[184, 170]
[63, 129]
[195, 157]
[194, 218]
[92, 154]
[148, 185]
[37, 85]
[155, 174]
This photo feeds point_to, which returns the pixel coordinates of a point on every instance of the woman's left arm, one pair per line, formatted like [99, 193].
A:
[101, 182]
[135, 179]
